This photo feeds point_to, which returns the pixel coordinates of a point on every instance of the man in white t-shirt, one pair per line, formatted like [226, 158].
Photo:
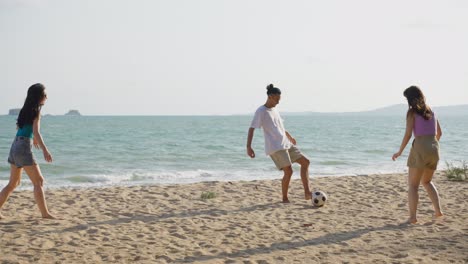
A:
[279, 144]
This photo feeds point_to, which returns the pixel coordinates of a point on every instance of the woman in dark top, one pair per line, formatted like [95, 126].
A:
[21, 156]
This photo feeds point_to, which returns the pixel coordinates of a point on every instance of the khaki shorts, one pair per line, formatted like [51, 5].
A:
[286, 157]
[424, 153]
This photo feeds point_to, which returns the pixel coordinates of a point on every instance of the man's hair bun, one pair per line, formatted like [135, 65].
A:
[272, 90]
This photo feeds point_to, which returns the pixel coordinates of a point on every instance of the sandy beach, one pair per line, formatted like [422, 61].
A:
[244, 223]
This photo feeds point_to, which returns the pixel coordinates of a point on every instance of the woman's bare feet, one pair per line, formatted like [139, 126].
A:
[49, 216]
[435, 217]
[1, 216]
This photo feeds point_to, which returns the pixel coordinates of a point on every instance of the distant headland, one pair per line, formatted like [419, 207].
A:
[398, 109]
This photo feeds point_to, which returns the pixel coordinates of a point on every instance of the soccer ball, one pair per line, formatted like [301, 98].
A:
[319, 198]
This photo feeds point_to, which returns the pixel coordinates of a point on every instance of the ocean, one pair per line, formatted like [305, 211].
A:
[96, 151]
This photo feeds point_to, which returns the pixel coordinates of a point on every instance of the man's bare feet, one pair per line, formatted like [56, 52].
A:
[412, 221]
[308, 196]
[1, 216]
[285, 200]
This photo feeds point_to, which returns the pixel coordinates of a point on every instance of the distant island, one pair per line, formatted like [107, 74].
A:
[73, 113]
[14, 111]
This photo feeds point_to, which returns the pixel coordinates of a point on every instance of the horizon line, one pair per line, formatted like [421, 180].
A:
[243, 114]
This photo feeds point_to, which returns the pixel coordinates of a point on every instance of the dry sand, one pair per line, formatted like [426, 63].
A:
[244, 223]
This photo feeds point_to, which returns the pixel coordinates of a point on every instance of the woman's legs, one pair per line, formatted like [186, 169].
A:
[426, 181]
[15, 178]
[414, 178]
[34, 173]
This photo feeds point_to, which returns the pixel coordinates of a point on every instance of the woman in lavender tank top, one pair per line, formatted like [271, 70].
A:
[424, 154]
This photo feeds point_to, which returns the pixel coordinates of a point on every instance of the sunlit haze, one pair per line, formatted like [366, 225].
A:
[214, 57]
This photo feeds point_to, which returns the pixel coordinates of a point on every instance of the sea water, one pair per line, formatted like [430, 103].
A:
[94, 151]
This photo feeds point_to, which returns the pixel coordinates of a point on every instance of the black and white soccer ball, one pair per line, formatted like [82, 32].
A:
[319, 198]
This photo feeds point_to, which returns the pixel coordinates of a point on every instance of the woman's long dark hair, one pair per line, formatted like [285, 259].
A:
[32, 105]
[417, 102]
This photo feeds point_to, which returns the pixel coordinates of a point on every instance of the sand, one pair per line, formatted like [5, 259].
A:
[244, 223]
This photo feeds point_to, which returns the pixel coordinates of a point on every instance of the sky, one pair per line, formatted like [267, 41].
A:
[216, 57]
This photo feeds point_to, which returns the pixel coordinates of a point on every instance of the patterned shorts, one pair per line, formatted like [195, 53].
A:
[21, 153]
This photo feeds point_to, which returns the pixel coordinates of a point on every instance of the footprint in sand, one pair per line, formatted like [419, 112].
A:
[69, 202]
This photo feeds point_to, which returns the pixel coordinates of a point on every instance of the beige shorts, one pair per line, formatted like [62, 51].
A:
[424, 153]
[286, 157]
